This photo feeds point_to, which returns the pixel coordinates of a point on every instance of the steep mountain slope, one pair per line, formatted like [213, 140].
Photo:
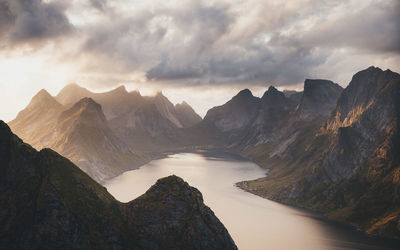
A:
[165, 107]
[351, 168]
[233, 117]
[186, 115]
[37, 119]
[46, 202]
[80, 133]
[264, 127]
[146, 129]
[272, 115]
[319, 99]
[293, 126]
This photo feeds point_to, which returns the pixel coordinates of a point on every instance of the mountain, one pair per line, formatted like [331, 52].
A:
[149, 124]
[80, 133]
[186, 115]
[350, 167]
[46, 202]
[166, 108]
[114, 103]
[119, 102]
[146, 129]
[318, 99]
[234, 116]
[83, 135]
[37, 118]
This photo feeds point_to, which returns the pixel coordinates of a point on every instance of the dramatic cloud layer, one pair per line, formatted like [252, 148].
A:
[228, 44]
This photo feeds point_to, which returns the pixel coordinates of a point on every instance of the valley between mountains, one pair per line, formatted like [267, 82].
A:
[329, 149]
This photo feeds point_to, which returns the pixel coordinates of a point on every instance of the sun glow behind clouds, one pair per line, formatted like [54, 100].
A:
[23, 74]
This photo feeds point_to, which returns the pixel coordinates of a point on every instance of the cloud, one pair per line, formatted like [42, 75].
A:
[195, 42]
[32, 21]
[374, 28]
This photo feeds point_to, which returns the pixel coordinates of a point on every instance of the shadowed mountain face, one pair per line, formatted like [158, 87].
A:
[80, 133]
[319, 99]
[349, 166]
[249, 122]
[46, 202]
[186, 115]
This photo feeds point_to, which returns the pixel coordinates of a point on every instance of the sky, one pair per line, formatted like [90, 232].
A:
[199, 51]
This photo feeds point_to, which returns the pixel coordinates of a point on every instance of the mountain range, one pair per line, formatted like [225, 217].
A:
[329, 149]
[46, 202]
[105, 134]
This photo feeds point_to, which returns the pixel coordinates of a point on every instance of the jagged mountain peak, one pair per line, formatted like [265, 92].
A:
[43, 100]
[319, 88]
[312, 86]
[273, 93]
[318, 100]
[118, 90]
[85, 109]
[42, 94]
[72, 93]
[245, 93]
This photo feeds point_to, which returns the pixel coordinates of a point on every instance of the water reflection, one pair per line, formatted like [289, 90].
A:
[253, 222]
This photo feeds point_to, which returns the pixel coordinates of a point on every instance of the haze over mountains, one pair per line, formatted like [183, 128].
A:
[103, 140]
[331, 149]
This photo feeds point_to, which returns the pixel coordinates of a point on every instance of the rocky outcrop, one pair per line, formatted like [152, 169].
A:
[172, 215]
[46, 202]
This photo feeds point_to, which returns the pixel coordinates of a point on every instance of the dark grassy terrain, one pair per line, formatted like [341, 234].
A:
[46, 202]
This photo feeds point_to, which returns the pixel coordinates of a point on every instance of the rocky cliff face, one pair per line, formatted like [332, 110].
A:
[235, 115]
[350, 166]
[319, 99]
[46, 202]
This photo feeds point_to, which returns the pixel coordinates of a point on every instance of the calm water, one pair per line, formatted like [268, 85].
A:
[253, 222]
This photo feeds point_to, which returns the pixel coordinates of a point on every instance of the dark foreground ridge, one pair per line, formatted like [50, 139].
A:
[46, 202]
